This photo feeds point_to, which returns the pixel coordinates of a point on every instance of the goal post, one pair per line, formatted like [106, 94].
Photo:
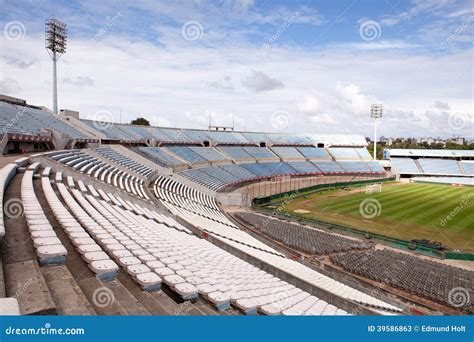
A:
[373, 188]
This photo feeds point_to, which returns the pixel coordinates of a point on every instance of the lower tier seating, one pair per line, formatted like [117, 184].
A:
[425, 278]
[306, 239]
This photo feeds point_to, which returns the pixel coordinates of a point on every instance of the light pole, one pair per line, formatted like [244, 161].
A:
[376, 112]
[56, 37]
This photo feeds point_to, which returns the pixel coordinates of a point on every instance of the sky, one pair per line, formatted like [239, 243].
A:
[301, 66]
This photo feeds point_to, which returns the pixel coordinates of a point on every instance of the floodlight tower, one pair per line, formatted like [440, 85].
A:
[56, 38]
[376, 112]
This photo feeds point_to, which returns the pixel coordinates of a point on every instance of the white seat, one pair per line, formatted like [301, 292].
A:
[51, 251]
[137, 269]
[163, 271]
[186, 290]
[95, 256]
[83, 249]
[149, 280]
[103, 266]
[128, 261]
[9, 307]
[46, 241]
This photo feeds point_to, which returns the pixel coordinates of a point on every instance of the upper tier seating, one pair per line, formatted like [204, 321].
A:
[259, 152]
[468, 167]
[426, 278]
[28, 120]
[227, 137]
[256, 137]
[218, 177]
[187, 154]
[236, 152]
[160, 156]
[209, 153]
[303, 238]
[405, 166]
[439, 166]
[117, 131]
[329, 166]
[430, 153]
[355, 166]
[119, 158]
[304, 167]
[287, 152]
[269, 169]
[342, 153]
[363, 154]
[314, 153]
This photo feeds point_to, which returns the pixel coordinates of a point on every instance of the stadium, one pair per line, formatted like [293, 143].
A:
[109, 218]
[163, 218]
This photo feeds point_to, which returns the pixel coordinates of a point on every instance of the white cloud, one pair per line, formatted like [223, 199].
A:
[9, 86]
[441, 105]
[259, 81]
[80, 81]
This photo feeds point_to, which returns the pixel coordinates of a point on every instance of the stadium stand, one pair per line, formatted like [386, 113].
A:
[154, 251]
[31, 120]
[430, 162]
[343, 153]
[304, 167]
[329, 167]
[287, 152]
[225, 176]
[105, 171]
[439, 166]
[302, 238]
[426, 278]
[236, 152]
[313, 153]
[159, 156]
[426, 153]
[259, 153]
[187, 154]
[405, 166]
[468, 167]
[119, 158]
[209, 153]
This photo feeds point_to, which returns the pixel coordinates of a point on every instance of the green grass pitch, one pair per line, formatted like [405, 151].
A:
[405, 211]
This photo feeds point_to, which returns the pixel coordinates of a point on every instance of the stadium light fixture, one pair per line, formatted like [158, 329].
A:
[376, 113]
[55, 38]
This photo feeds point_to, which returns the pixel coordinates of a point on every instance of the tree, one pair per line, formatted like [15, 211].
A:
[140, 122]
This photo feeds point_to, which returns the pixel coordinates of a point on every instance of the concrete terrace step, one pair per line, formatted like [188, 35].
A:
[144, 297]
[68, 296]
[25, 282]
[126, 300]
[17, 245]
